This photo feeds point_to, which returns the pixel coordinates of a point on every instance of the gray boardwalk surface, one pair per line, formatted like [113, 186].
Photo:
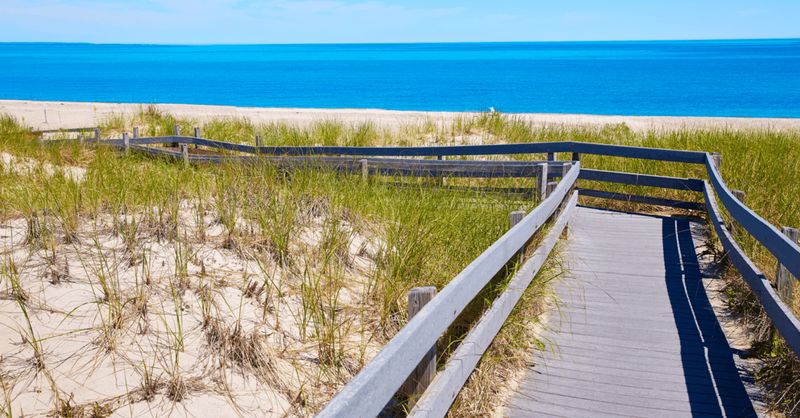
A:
[636, 334]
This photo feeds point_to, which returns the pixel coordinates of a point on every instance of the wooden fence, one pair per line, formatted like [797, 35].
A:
[377, 383]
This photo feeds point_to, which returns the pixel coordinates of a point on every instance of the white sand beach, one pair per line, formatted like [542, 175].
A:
[44, 115]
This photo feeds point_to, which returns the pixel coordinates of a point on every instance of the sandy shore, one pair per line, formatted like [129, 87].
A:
[61, 115]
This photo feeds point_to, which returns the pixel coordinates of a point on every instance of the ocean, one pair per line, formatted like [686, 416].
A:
[758, 78]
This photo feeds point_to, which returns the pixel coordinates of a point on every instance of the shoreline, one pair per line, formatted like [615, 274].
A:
[43, 115]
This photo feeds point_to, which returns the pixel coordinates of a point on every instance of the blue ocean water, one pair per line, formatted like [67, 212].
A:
[699, 78]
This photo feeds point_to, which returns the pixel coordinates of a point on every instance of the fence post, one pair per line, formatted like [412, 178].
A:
[258, 140]
[716, 158]
[135, 131]
[364, 169]
[444, 179]
[576, 156]
[739, 195]
[542, 182]
[515, 217]
[185, 153]
[551, 187]
[422, 376]
[126, 142]
[97, 134]
[176, 131]
[551, 156]
[785, 282]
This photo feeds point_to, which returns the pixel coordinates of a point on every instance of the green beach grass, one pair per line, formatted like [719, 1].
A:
[327, 258]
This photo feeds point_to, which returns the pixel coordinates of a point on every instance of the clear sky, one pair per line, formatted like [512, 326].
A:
[335, 21]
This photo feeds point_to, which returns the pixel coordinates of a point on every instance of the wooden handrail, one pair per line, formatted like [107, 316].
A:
[367, 393]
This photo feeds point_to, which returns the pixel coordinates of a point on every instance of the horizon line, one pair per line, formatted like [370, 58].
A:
[407, 43]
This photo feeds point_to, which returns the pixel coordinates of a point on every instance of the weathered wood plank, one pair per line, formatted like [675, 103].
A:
[638, 339]
[649, 200]
[636, 179]
[692, 157]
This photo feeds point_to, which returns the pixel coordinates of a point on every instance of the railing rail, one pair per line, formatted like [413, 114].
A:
[370, 390]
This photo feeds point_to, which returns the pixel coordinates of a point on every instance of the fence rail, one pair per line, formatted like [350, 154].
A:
[370, 390]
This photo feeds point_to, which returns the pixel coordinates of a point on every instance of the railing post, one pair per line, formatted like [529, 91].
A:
[97, 134]
[196, 134]
[135, 131]
[126, 142]
[551, 187]
[176, 131]
[258, 140]
[185, 153]
[422, 376]
[716, 158]
[444, 179]
[734, 227]
[515, 217]
[551, 156]
[542, 182]
[364, 169]
[785, 282]
[576, 156]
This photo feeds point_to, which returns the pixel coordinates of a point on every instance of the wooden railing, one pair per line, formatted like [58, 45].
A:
[376, 384]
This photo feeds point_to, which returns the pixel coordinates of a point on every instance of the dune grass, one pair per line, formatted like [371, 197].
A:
[394, 238]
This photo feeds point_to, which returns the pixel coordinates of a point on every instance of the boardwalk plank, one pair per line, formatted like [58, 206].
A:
[635, 334]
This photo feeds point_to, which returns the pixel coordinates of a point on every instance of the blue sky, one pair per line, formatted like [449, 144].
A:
[334, 21]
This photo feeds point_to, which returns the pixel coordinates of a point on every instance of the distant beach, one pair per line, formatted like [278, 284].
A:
[44, 115]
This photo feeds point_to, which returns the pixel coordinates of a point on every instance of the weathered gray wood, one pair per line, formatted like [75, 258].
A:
[364, 169]
[135, 132]
[515, 217]
[448, 383]
[551, 185]
[97, 134]
[176, 130]
[541, 180]
[565, 169]
[576, 156]
[551, 156]
[781, 315]
[197, 132]
[423, 374]
[691, 157]
[126, 142]
[716, 159]
[778, 244]
[639, 339]
[785, 282]
[185, 153]
[636, 179]
[369, 391]
[680, 204]
[734, 226]
[258, 140]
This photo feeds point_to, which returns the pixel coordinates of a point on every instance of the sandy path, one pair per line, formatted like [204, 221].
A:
[60, 115]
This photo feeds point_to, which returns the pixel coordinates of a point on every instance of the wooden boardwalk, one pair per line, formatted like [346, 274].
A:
[636, 334]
